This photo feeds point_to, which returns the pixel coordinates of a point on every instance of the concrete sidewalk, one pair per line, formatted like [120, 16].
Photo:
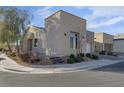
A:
[9, 65]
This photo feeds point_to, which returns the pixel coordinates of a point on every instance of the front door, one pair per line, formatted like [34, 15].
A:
[29, 45]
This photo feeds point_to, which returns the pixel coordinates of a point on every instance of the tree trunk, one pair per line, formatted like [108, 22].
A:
[17, 46]
[8, 44]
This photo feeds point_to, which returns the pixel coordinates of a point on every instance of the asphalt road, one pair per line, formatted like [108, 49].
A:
[76, 79]
[116, 68]
[109, 76]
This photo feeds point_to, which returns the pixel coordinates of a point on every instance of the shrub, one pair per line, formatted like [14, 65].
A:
[110, 53]
[102, 52]
[81, 54]
[95, 57]
[72, 56]
[12, 54]
[24, 57]
[70, 60]
[79, 59]
[88, 55]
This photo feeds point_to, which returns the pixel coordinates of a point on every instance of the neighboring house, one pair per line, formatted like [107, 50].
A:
[118, 46]
[64, 34]
[90, 47]
[34, 40]
[103, 42]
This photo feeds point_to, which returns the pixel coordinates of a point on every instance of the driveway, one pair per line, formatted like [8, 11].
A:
[117, 68]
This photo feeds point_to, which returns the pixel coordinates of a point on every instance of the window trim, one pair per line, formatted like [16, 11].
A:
[75, 37]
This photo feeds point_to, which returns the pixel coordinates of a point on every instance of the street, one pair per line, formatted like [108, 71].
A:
[96, 78]
[116, 68]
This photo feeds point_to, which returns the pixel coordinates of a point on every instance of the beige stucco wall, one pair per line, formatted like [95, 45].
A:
[119, 36]
[33, 33]
[58, 27]
[90, 39]
[98, 47]
[102, 40]
[118, 46]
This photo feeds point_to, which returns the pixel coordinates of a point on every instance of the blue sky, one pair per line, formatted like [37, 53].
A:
[99, 19]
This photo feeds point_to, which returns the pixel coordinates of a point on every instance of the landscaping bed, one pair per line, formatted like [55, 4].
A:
[32, 59]
[81, 58]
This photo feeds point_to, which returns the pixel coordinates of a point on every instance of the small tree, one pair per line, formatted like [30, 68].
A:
[14, 24]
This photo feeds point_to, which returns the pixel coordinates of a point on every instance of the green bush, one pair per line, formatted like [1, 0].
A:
[95, 57]
[71, 60]
[80, 55]
[72, 56]
[79, 59]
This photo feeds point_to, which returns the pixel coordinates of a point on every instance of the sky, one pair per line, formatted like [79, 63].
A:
[99, 19]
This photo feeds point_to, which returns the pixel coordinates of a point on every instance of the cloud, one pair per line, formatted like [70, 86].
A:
[107, 11]
[44, 12]
[110, 22]
[104, 16]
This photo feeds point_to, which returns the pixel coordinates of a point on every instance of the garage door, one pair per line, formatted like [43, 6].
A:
[88, 48]
[118, 46]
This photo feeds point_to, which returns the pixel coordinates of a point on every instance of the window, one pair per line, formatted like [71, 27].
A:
[74, 40]
[35, 42]
[71, 42]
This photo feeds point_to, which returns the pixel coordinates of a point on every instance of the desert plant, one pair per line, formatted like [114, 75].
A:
[70, 60]
[72, 56]
[110, 53]
[88, 55]
[81, 54]
[95, 57]
[79, 59]
[102, 52]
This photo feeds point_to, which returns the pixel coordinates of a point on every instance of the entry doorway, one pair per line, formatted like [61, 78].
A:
[29, 45]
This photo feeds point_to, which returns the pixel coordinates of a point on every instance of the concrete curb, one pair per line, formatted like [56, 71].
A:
[56, 70]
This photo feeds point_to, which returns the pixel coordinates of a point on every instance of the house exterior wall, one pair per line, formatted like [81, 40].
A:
[98, 47]
[58, 27]
[104, 42]
[119, 36]
[90, 40]
[34, 33]
[118, 46]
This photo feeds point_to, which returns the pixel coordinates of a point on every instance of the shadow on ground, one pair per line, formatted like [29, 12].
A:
[117, 68]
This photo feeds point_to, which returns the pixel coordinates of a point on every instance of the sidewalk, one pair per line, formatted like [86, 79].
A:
[8, 65]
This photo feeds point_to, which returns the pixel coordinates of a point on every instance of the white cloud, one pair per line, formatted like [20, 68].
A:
[110, 22]
[107, 11]
[109, 16]
[44, 12]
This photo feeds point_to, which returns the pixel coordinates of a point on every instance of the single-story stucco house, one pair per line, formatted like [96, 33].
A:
[64, 34]
[103, 42]
[118, 46]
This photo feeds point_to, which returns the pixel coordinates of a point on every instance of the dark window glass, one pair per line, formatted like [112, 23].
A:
[35, 42]
[71, 42]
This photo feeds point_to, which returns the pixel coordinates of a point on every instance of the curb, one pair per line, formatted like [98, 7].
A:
[56, 70]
